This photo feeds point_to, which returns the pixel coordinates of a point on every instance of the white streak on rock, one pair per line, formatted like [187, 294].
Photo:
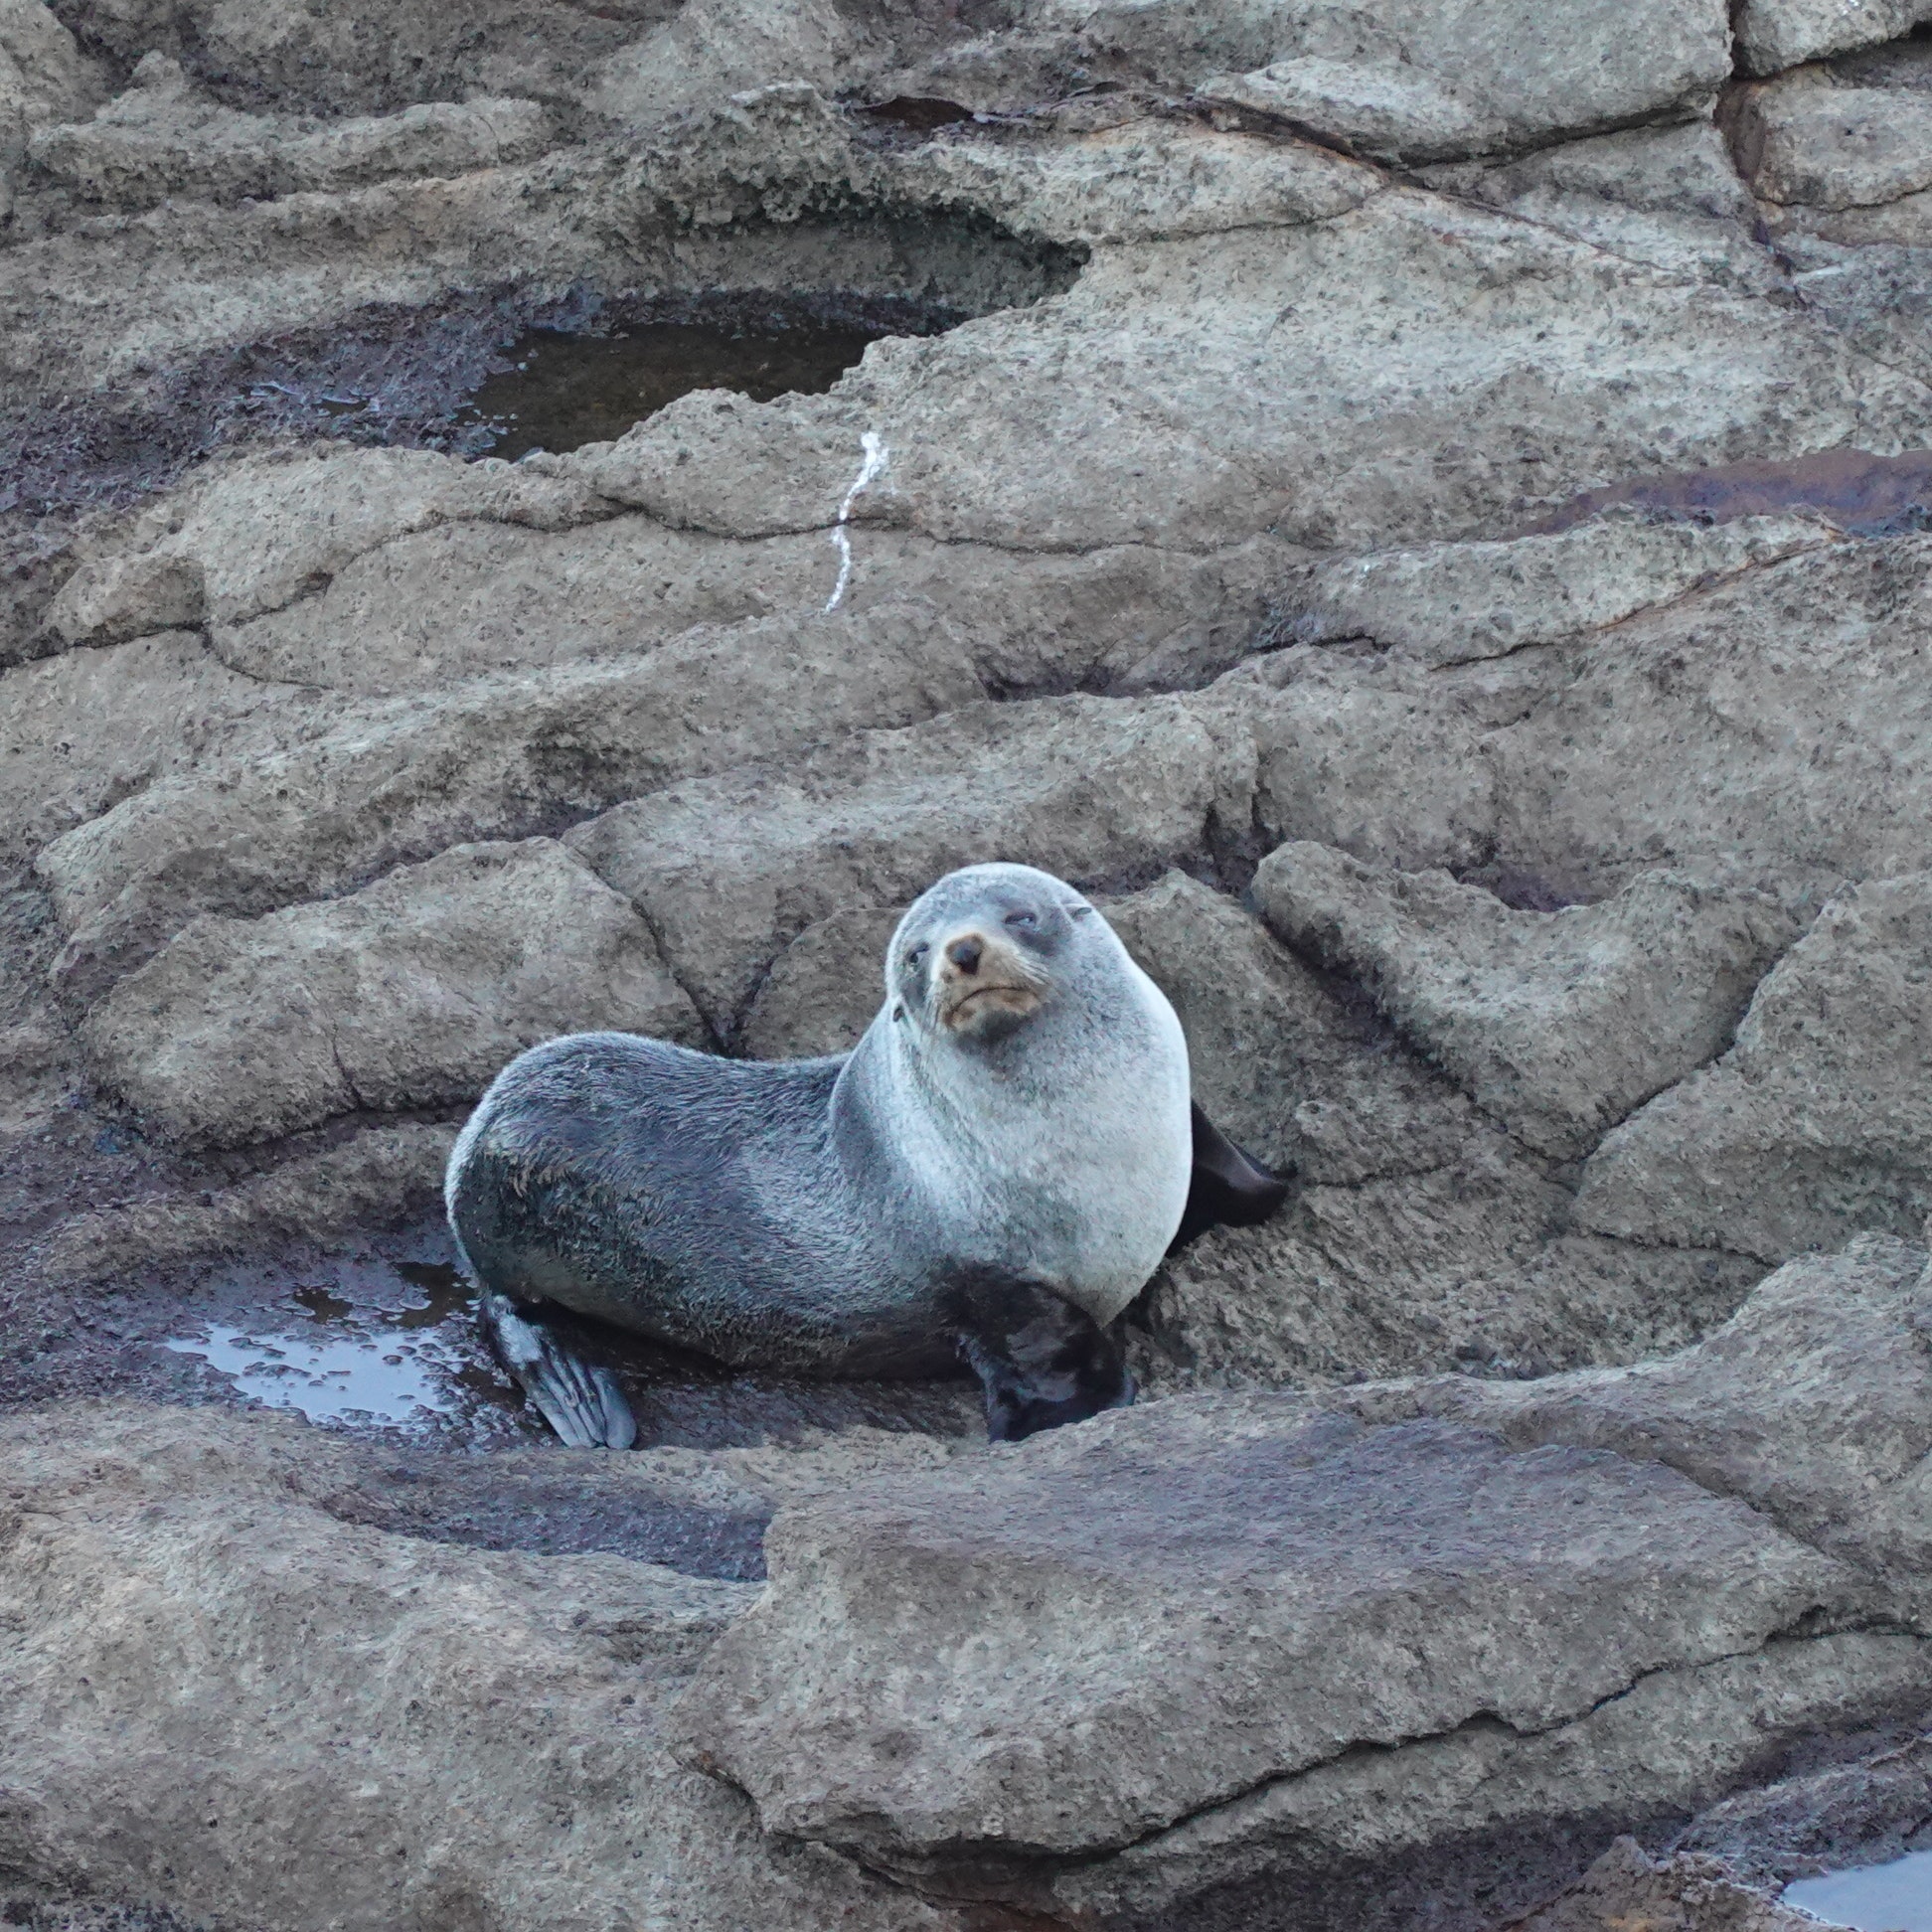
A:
[874, 465]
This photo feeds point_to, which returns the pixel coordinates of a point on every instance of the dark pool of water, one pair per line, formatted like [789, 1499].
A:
[1864, 495]
[1894, 1897]
[387, 1347]
[448, 377]
[384, 1347]
[563, 391]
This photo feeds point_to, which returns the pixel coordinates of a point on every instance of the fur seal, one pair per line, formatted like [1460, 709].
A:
[996, 1168]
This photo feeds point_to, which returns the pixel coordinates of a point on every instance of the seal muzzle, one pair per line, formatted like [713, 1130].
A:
[983, 982]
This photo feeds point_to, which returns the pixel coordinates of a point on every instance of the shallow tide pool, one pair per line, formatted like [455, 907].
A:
[335, 1360]
[1894, 1897]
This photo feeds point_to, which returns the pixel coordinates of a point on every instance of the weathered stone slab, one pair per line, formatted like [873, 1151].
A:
[338, 1194]
[1808, 138]
[728, 871]
[1520, 74]
[1818, 1122]
[1558, 1024]
[1087, 1642]
[1455, 603]
[159, 138]
[1684, 1893]
[411, 993]
[390, 781]
[1446, 1250]
[205, 1661]
[1775, 727]
[254, 535]
[83, 732]
[1774, 34]
[1813, 1405]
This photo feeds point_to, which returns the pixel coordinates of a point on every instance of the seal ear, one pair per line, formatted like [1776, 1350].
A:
[1229, 1188]
[1042, 1363]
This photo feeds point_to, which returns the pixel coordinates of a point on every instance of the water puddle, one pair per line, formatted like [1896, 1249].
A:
[499, 373]
[1894, 1897]
[338, 1359]
[563, 390]
[379, 1345]
[1864, 495]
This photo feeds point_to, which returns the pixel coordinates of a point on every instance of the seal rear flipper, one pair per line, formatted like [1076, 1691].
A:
[1229, 1187]
[581, 1403]
[1040, 1362]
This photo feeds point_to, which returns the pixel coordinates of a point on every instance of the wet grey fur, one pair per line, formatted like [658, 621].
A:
[1003, 1188]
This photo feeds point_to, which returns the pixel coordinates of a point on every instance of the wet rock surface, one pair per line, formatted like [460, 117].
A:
[1421, 511]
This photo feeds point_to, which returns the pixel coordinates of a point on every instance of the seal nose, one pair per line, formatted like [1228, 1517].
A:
[965, 953]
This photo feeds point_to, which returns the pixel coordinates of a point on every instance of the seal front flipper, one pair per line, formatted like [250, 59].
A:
[1040, 1362]
[583, 1403]
[1229, 1188]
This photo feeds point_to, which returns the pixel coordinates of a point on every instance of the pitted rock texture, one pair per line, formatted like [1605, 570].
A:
[408, 994]
[1558, 1024]
[1145, 1625]
[1686, 1893]
[1421, 511]
[157, 139]
[388, 1685]
[1258, 1568]
[1814, 1122]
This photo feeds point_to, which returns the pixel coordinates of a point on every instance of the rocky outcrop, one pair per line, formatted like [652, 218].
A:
[410, 993]
[1811, 1404]
[1087, 786]
[1418, 511]
[254, 1669]
[1257, 1660]
[1769, 726]
[1774, 34]
[158, 139]
[315, 1200]
[1684, 1893]
[1198, 1641]
[1460, 604]
[43, 79]
[1814, 1123]
[1804, 138]
[1557, 1024]
[257, 534]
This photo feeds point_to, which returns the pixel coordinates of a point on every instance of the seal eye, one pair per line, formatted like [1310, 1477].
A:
[917, 955]
[1023, 919]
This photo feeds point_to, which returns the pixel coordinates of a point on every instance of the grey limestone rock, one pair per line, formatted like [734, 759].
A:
[1185, 1618]
[1817, 1122]
[729, 869]
[1807, 138]
[1774, 34]
[1812, 1403]
[373, 785]
[1448, 1249]
[410, 993]
[255, 535]
[1424, 81]
[1557, 1024]
[1683, 1893]
[375, 1177]
[1454, 603]
[159, 139]
[403, 1719]
[1772, 726]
